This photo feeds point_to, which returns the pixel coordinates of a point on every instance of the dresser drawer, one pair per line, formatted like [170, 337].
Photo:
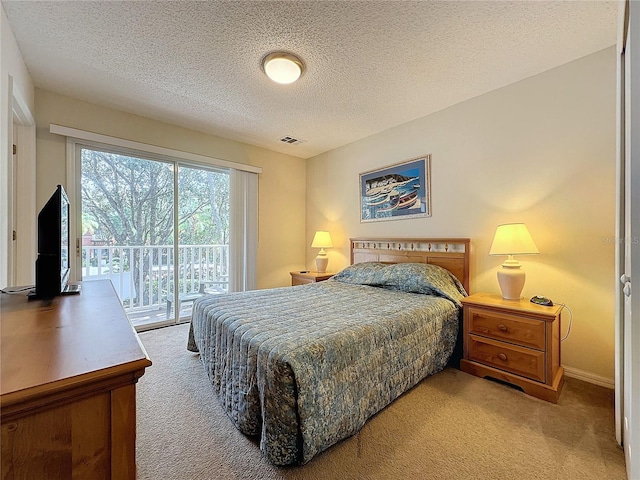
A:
[518, 330]
[526, 362]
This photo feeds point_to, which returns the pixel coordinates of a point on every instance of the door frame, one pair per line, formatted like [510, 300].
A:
[627, 398]
[21, 193]
[244, 229]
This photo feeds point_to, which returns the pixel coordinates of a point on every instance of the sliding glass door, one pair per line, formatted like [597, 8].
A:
[129, 208]
[202, 237]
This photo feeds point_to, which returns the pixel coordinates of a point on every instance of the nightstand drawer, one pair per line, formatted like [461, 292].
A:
[518, 330]
[526, 362]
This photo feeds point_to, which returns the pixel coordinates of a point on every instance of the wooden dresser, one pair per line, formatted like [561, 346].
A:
[67, 391]
[514, 341]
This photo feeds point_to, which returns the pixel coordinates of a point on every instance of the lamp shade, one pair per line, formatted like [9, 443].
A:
[513, 239]
[321, 239]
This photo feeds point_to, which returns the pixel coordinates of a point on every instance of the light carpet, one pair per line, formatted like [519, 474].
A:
[450, 426]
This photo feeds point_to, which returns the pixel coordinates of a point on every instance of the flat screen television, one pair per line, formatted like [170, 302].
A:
[52, 264]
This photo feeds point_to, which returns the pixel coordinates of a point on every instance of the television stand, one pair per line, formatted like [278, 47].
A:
[69, 367]
[71, 289]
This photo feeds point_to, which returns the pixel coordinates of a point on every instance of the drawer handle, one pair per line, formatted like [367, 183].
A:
[502, 357]
[502, 327]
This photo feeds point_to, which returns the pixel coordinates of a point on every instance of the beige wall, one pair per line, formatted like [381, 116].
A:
[281, 184]
[13, 64]
[541, 151]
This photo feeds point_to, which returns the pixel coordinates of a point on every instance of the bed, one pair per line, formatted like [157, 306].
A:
[304, 367]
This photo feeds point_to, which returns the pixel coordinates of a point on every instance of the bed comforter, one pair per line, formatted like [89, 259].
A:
[304, 367]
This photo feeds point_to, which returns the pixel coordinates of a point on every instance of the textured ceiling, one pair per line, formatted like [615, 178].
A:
[370, 65]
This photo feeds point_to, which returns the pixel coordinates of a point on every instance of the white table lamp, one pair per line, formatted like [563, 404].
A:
[512, 239]
[322, 240]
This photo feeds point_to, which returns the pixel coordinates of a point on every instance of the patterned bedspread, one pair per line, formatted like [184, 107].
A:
[306, 366]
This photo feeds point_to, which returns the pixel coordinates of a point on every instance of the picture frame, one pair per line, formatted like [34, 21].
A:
[399, 191]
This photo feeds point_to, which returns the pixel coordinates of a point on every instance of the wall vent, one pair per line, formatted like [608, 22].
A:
[291, 140]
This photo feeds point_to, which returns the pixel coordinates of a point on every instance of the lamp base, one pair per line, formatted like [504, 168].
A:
[321, 263]
[511, 280]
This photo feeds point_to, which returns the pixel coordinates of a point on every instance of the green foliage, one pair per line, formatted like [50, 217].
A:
[203, 207]
[129, 201]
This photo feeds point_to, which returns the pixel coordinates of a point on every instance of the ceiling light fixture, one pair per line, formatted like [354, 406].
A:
[282, 67]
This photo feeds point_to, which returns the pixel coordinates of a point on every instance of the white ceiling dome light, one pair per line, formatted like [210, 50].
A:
[282, 67]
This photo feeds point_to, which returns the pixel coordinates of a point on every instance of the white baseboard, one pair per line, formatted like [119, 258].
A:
[589, 377]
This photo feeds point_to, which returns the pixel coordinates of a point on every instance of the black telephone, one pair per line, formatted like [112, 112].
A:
[540, 300]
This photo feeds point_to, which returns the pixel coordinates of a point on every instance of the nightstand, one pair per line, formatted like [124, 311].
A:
[306, 276]
[514, 341]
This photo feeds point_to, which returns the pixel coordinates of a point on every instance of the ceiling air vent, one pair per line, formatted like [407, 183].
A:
[291, 140]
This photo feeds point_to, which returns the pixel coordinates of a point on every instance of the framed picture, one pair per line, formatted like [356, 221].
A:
[399, 191]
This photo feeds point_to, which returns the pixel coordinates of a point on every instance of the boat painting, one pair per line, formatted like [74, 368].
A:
[380, 199]
[398, 191]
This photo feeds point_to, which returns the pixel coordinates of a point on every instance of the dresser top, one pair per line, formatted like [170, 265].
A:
[48, 345]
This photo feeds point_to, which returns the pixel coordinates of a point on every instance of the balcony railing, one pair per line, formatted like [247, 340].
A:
[143, 276]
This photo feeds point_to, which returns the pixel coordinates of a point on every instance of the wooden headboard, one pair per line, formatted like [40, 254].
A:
[450, 253]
